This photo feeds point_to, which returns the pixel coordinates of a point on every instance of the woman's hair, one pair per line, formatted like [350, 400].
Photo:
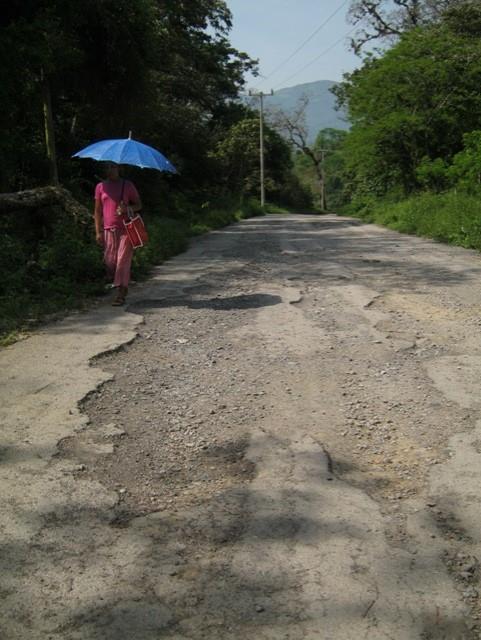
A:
[108, 166]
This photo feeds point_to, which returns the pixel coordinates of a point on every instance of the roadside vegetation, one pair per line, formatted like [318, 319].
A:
[61, 268]
[412, 159]
[166, 71]
[450, 217]
[328, 148]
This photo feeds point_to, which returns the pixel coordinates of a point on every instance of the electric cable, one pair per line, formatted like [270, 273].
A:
[314, 33]
[323, 53]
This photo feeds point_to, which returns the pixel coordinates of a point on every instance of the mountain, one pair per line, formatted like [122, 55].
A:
[320, 112]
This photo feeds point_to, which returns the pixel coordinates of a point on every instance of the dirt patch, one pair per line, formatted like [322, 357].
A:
[179, 410]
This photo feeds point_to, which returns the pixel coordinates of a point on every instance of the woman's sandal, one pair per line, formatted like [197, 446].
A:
[120, 298]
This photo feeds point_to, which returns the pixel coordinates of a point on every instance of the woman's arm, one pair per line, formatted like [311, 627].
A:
[98, 219]
[132, 198]
[134, 205]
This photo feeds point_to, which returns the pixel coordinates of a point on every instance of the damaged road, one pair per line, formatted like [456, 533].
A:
[279, 439]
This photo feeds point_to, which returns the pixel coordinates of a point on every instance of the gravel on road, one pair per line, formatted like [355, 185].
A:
[289, 448]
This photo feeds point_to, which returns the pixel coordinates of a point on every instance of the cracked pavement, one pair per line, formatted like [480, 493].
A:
[278, 439]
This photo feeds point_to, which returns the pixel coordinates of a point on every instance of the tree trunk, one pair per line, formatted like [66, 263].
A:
[34, 199]
[49, 130]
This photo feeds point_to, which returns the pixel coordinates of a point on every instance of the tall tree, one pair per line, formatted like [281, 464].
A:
[237, 158]
[384, 21]
[292, 125]
[160, 67]
[416, 101]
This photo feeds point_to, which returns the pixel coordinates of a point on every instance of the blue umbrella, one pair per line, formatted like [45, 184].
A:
[127, 151]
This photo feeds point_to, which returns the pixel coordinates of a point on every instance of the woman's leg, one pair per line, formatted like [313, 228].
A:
[110, 252]
[125, 252]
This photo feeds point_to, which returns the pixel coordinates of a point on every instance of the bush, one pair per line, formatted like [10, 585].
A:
[433, 174]
[42, 275]
[226, 212]
[58, 266]
[465, 171]
[13, 265]
[167, 238]
[70, 254]
[450, 217]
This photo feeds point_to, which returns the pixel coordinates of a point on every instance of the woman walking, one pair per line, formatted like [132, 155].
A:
[113, 197]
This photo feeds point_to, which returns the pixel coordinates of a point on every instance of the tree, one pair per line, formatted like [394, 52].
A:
[292, 125]
[331, 140]
[387, 20]
[416, 101]
[465, 171]
[164, 69]
[237, 159]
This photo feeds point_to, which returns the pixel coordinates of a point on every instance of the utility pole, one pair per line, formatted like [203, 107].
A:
[323, 180]
[261, 95]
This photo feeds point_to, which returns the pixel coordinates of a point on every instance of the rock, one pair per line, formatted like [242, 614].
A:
[465, 575]
[469, 568]
[111, 427]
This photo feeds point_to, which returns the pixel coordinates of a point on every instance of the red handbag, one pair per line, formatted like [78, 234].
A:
[134, 226]
[136, 231]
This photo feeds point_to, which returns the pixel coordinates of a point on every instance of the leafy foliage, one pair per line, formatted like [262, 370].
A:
[164, 69]
[465, 171]
[237, 159]
[411, 106]
[432, 174]
[412, 160]
[447, 217]
[60, 267]
[331, 142]
[382, 20]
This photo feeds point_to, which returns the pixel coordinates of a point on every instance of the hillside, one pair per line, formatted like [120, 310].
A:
[320, 113]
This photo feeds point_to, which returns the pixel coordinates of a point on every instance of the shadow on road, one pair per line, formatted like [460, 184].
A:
[148, 585]
[251, 301]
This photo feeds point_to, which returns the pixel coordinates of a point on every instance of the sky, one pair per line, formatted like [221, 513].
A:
[271, 30]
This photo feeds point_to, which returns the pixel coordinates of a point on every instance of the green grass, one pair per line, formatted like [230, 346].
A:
[227, 212]
[274, 208]
[64, 270]
[450, 217]
[167, 238]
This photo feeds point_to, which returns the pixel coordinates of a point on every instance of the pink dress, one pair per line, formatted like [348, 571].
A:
[118, 250]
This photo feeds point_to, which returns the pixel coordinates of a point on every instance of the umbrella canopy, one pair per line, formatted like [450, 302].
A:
[127, 151]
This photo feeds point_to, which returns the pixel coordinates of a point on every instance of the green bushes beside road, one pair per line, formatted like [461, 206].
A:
[412, 157]
[60, 267]
[453, 217]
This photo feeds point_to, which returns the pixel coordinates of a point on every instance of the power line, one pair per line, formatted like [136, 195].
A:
[321, 26]
[323, 53]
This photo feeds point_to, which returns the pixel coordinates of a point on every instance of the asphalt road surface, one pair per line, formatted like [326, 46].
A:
[279, 439]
